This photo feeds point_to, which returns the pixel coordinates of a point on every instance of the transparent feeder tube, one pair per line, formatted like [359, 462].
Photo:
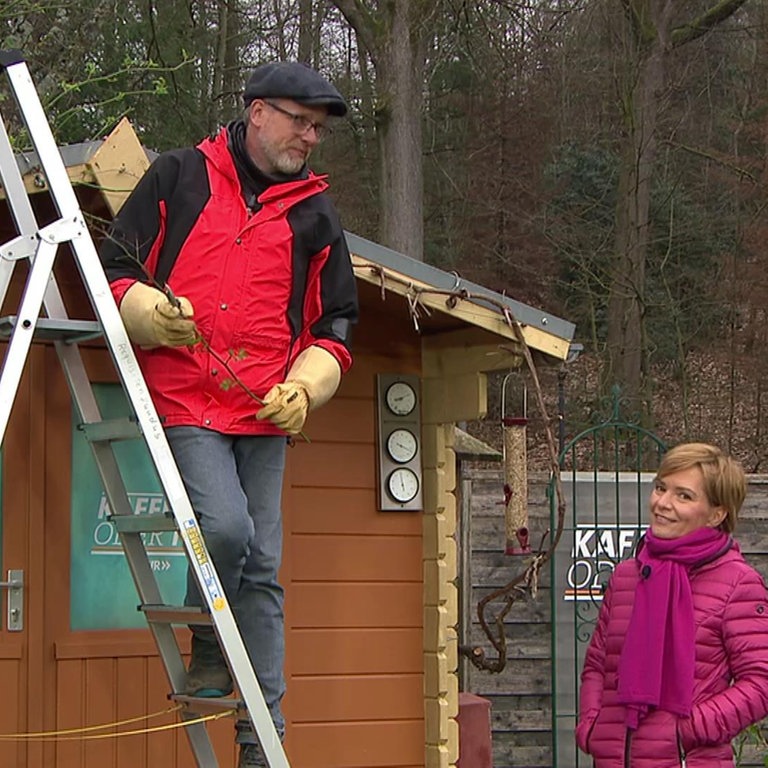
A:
[516, 474]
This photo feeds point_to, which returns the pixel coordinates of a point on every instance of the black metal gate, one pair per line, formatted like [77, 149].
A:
[606, 475]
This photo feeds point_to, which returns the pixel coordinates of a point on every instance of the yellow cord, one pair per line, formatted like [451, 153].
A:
[85, 729]
[78, 734]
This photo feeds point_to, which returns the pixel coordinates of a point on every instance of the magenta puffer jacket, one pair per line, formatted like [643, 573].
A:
[731, 674]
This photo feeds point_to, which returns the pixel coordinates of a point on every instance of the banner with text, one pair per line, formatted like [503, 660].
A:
[103, 594]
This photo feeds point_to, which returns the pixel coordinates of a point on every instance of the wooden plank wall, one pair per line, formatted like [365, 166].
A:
[12, 753]
[520, 694]
[354, 587]
[521, 702]
[117, 685]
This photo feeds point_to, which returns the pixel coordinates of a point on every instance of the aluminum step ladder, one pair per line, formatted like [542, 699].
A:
[39, 247]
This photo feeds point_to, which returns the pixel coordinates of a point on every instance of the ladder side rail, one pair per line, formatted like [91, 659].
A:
[13, 183]
[125, 360]
[84, 400]
[21, 338]
[14, 190]
[69, 355]
[40, 133]
[21, 211]
[41, 279]
[86, 404]
[27, 226]
[66, 203]
[82, 393]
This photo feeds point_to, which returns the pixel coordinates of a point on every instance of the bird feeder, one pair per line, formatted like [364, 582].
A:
[514, 421]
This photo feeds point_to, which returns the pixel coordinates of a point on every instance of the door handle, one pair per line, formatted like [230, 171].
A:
[15, 607]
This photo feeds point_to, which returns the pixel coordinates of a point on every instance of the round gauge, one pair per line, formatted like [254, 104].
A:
[400, 398]
[403, 485]
[401, 445]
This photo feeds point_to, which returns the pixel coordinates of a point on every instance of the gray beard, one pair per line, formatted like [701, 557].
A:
[282, 162]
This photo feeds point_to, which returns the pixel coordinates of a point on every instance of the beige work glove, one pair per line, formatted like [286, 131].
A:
[152, 321]
[312, 381]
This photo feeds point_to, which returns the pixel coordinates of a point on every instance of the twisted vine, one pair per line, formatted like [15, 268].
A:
[525, 583]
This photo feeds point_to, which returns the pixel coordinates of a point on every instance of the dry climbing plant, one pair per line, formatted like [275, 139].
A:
[494, 607]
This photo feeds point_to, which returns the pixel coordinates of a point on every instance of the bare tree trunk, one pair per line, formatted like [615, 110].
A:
[398, 122]
[626, 301]
[306, 31]
[394, 35]
[231, 98]
[653, 37]
[220, 64]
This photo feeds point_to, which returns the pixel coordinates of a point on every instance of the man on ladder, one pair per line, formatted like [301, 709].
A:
[233, 279]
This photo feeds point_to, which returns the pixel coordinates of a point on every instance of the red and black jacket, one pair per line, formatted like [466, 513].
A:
[264, 286]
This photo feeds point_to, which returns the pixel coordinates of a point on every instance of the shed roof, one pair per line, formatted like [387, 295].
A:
[118, 161]
[469, 447]
[431, 288]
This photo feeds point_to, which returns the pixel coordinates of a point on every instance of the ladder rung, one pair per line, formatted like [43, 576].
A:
[207, 705]
[47, 329]
[175, 614]
[110, 430]
[143, 523]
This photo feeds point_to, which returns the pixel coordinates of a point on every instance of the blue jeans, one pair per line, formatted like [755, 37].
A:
[235, 483]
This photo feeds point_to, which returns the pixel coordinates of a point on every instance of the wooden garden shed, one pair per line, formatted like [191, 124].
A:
[371, 601]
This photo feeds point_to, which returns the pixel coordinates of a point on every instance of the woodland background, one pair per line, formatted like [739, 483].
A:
[602, 159]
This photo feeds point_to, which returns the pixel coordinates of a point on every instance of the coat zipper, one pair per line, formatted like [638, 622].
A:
[628, 745]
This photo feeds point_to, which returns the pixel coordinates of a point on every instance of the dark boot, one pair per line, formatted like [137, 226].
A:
[251, 756]
[208, 674]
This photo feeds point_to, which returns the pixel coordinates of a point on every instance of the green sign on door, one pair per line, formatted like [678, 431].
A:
[103, 595]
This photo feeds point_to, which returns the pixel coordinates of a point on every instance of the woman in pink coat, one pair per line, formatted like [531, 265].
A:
[678, 663]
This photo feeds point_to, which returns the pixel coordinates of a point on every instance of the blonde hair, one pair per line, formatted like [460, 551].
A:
[724, 481]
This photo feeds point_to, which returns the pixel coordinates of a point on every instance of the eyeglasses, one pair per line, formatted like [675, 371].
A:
[301, 124]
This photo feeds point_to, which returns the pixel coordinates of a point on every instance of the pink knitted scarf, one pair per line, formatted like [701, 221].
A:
[656, 666]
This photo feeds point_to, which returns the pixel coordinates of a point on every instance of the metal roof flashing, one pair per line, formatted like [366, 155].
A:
[446, 281]
[71, 154]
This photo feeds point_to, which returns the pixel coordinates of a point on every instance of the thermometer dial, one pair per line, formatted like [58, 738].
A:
[403, 485]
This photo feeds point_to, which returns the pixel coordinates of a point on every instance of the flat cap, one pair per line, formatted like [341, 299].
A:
[296, 81]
